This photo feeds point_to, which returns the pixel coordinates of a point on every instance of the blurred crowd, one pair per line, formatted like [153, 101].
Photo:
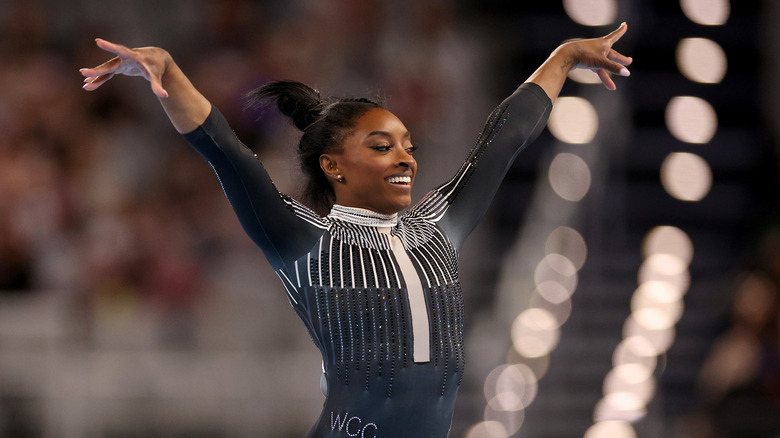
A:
[739, 382]
[100, 197]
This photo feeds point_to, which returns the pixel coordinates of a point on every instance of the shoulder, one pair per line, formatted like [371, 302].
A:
[305, 213]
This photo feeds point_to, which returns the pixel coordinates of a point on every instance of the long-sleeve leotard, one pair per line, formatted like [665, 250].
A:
[379, 295]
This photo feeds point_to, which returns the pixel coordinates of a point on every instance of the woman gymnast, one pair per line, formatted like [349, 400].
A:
[377, 290]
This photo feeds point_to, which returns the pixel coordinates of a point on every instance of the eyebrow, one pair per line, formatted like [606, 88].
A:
[407, 134]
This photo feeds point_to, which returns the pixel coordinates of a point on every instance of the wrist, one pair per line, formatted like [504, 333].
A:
[565, 56]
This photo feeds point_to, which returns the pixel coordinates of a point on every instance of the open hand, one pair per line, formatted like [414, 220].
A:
[598, 55]
[148, 62]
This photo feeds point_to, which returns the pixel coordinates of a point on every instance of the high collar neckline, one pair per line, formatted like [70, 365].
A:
[362, 216]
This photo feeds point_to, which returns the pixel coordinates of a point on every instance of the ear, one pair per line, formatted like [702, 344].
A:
[330, 166]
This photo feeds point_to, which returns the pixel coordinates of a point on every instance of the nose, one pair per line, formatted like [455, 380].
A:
[405, 158]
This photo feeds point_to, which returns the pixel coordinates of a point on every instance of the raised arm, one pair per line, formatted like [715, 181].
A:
[281, 227]
[515, 123]
[594, 54]
[184, 104]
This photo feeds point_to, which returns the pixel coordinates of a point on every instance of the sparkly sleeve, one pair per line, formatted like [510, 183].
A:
[513, 125]
[280, 226]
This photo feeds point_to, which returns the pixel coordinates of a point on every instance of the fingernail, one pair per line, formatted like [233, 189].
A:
[624, 72]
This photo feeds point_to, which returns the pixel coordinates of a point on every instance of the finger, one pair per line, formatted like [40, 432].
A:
[114, 48]
[157, 88]
[606, 79]
[616, 68]
[616, 34]
[619, 58]
[96, 82]
[155, 81]
[106, 67]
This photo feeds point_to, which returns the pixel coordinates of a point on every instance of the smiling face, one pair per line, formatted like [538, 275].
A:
[375, 164]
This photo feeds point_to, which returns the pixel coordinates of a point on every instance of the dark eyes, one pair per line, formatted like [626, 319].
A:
[386, 148]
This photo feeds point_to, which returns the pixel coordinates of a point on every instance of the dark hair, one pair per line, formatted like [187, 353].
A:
[325, 124]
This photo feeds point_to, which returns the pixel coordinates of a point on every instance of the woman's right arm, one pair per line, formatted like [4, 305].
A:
[185, 106]
[279, 225]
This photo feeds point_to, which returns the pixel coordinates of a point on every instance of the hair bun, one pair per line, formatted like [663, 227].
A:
[296, 100]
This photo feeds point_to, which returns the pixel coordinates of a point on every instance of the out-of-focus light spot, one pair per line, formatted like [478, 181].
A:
[490, 381]
[657, 305]
[611, 429]
[569, 243]
[633, 373]
[516, 388]
[511, 420]
[660, 340]
[573, 120]
[707, 12]
[591, 12]
[666, 264]
[668, 240]
[701, 60]
[535, 333]
[686, 176]
[622, 381]
[635, 350]
[558, 269]
[623, 406]
[553, 292]
[691, 119]
[569, 176]
[560, 310]
[537, 365]
[665, 268]
[487, 429]
[584, 76]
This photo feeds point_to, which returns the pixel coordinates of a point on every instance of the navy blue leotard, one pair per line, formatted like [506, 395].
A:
[378, 294]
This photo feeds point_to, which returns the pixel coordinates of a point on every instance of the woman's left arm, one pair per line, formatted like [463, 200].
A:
[515, 123]
[593, 54]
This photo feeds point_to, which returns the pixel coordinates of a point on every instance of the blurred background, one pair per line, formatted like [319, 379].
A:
[624, 282]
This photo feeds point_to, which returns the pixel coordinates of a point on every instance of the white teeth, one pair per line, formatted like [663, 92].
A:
[399, 179]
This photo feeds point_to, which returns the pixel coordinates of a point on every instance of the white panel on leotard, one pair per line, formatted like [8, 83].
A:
[421, 331]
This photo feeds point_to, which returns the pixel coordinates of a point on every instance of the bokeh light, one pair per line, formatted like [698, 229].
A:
[573, 120]
[668, 240]
[538, 365]
[584, 76]
[660, 340]
[510, 420]
[707, 12]
[556, 268]
[686, 176]
[611, 429]
[535, 332]
[701, 60]
[569, 243]
[621, 406]
[629, 379]
[667, 269]
[553, 292]
[487, 429]
[569, 177]
[560, 310]
[635, 350]
[691, 119]
[591, 12]
[516, 387]
[657, 305]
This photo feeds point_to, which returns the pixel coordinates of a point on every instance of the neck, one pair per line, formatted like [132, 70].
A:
[361, 216]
